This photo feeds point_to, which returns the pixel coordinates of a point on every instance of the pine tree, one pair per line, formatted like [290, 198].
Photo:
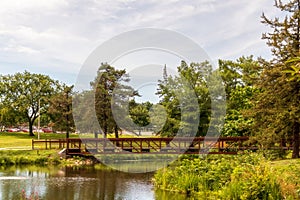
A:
[277, 111]
[104, 85]
[112, 96]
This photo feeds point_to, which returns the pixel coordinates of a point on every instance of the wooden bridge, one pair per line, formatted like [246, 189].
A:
[149, 145]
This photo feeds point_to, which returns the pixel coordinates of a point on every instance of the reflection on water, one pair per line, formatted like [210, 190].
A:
[136, 163]
[78, 183]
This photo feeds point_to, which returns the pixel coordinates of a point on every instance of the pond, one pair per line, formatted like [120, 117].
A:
[70, 183]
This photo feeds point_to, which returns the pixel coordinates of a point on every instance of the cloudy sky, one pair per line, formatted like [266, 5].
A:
[55, 37]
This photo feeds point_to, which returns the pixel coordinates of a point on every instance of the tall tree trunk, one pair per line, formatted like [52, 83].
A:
[117, 134]
[96, 134]
[105, 129]
[31, 128]
[67, 133]
[296, 138]
[68, 126]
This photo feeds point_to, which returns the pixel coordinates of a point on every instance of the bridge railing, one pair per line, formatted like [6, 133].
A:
[145, 145]
[49, 144]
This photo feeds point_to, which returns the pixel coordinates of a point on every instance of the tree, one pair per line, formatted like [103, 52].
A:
[276, 110]
[239, 77]
[60, 110]
[175, 99]
[111, 91]
[237, 122]
[8, 117]
[243, 72]
[171, 104]
[22, 92]
[82, 107]
[139, 113]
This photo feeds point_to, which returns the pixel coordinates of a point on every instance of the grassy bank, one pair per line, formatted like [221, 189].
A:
[248, 176]
[42, 157]
[18, 157]
[16, 150]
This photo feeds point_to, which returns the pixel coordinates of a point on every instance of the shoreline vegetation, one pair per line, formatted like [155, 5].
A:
[245, 176]
[16, 150]
[41, 157]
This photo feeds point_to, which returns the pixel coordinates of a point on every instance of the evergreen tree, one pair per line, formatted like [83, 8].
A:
[106, 81]
[111, 91]
[277, 111]
[294, 71]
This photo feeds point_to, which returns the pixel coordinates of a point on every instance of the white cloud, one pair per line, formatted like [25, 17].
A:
[56, 36]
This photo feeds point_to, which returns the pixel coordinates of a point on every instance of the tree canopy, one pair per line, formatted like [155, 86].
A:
[111, 91]
[174, 101]
[276, 111]
[239, 77]
[27, 94]
[60, 110]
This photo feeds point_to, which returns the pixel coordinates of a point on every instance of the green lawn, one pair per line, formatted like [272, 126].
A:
[23, 140]
[20, 140]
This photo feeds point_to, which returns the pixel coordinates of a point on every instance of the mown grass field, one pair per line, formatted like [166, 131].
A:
[19, 140]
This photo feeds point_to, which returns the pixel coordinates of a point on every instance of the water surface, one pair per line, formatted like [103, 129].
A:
[69, 183]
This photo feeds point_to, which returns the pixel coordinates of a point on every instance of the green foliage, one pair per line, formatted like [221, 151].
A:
[110, 91]
[28, 158]
[221, 177]
[21, 93]
[287, 172]
[276, 107]
[104, 85]
[83, 105]
[252, 182]
[60, 110]
[239, 78]
[294, 72]
[139, 113]
[284, 40]
[236, 123]
[176, 93]
[242, 72]
[8, 117]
